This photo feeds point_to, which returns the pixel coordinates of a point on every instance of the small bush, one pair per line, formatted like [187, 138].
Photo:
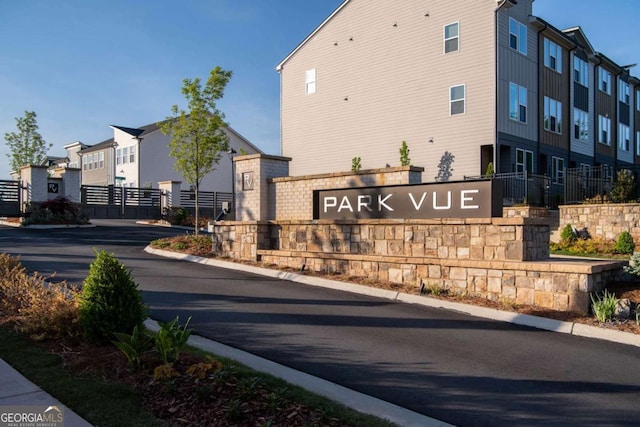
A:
[625, 243]
[634, 265]
[568, 234]
[624, 187]
[356, 164]
[170, 339]
[604, 307]
[60, 210]
[110, 301]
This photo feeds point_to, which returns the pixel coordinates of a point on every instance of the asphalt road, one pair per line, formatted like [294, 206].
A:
[460, 369]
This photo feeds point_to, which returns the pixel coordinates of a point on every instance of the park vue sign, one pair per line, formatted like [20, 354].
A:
[463, 199]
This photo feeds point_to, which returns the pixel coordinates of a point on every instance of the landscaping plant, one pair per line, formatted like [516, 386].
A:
[405, 160]
[110, 301]
[171, 338]
[625, 243]
[604, 307]
[356, 164]
[634, 265]
[133, 346]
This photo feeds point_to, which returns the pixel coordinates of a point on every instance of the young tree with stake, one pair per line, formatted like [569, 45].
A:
[197, 134]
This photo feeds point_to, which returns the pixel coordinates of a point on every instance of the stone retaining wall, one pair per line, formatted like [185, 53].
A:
[605, 220]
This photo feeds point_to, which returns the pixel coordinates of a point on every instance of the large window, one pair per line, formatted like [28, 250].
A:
[557, 170]
[452, 37]
[638, 100]
[132, 154]
[85, 161]
[624, 137]
[638, 143]
[119, 156]
[457, 100]
[524, 161]
[310, 81]
[125, 155]
[552, 115]
[604, 80]
[517, 36]
[101, 160]
[604, 133]
[552, 55]
[580, 71]
[624, 92]
[580, 125]
[517, 103]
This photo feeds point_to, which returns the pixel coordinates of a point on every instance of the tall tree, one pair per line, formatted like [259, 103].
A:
[27, 145]
[197, 133]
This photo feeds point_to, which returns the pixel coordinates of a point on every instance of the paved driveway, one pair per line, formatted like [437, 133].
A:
[460, 369]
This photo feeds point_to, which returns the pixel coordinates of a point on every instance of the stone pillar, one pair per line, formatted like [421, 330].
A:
[34, 183]
[252, 190]
[71, 184]
[170, 194]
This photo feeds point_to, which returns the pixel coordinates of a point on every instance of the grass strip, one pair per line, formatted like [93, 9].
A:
[100, 402]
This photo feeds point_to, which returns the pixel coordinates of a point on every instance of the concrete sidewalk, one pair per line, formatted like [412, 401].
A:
[16, 390]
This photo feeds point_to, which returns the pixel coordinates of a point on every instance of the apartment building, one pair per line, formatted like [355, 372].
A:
[465, 84]
[139, 157]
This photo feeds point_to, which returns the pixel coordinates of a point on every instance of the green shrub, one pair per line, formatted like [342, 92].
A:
[624, 187]
[60, 210]
[110, 301]
[356, 164]
[405, 160]
[634, 265]
[489, 171]
[568, 234]
[133, 346]
[625, 243]
[604, 307]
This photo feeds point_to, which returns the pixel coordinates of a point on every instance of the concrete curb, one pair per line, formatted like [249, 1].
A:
[345, 396]
[577, 329]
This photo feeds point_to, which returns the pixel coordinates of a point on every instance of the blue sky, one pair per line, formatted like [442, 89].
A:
[83, 65]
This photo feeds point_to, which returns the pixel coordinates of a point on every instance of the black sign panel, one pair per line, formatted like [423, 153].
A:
[53, 187]
[463, 199]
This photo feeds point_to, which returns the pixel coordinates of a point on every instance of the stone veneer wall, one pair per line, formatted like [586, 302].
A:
[605, 220]
[291, 198]
[500, 258]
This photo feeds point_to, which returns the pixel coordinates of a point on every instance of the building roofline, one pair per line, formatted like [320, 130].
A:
[310, 36]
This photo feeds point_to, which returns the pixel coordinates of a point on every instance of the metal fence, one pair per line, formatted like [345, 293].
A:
[210, 203]
[587, 183]
[10, 198]
[121, 202]
[526, 188]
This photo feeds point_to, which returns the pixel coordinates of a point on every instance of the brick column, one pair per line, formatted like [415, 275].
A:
[252, 189]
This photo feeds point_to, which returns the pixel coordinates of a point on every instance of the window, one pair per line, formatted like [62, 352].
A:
[132, 154]
[119, 156]
[524, 161]
[101, 160]
[125, 155]
[604, 79]
[623, 137]
[638, 143]
[456, 100]
[90, 161]
[604, 124]
[552, 115]
[517, 103]
[557, 170]
[85, 160]
[452, 37]
[580, 125]
[310, 81]
[95, 160]
[517, 36]
[623, 92]
[580, 71]
[552, 55]
[638, 100]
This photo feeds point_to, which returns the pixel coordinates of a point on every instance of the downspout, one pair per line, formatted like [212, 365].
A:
[496, 165]
[571, 104]
[540, 74]
[596, 121]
